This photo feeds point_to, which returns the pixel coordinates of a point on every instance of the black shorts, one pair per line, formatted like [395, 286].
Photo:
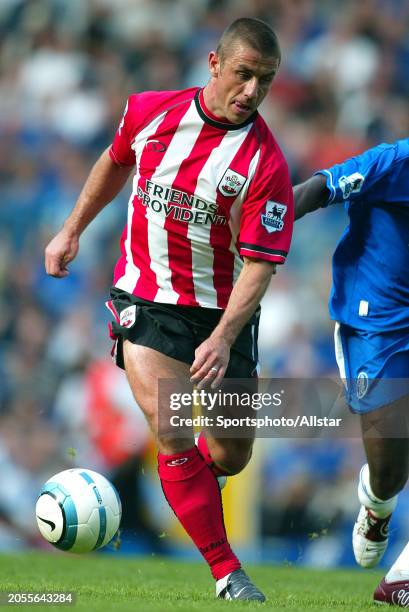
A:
[177, 331]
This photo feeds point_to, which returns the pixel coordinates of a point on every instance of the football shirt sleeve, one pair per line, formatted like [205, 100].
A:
[121, 151]
[268, 213]
[363, 176]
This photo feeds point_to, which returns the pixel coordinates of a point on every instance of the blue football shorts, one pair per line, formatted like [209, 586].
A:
[373, 366]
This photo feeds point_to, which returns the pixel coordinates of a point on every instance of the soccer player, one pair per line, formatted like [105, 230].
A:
[210, 217]
[370, 304]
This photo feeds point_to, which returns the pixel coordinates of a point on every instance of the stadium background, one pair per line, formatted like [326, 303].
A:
[66, 68]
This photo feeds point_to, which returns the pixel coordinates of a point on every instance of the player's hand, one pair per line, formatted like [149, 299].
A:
[210, 364]
[62, 249]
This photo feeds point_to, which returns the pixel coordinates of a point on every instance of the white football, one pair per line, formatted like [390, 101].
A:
[78, 510]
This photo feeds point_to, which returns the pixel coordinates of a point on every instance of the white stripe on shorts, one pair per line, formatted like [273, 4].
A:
[339, 353]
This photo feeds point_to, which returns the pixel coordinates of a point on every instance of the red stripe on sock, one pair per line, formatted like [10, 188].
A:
[193, 494]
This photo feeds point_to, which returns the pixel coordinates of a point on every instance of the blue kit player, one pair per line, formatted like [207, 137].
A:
[370, 304]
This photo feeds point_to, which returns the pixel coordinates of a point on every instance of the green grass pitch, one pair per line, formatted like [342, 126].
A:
[161, 584]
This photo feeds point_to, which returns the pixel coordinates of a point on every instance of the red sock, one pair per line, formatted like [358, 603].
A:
[193, 494]
[204, 451]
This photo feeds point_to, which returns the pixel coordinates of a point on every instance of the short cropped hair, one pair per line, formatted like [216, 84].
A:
[255, 33]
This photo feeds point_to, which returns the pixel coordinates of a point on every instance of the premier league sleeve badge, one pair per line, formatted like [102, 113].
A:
[273, 218]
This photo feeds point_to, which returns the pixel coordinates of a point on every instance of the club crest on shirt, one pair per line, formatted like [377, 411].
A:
[351, 184]
[127, 317]
[273, 218]
[231, 183]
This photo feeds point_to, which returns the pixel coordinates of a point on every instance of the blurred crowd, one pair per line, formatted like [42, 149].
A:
[66, 69]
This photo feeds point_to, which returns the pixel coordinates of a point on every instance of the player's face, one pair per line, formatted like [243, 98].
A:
[241, 81]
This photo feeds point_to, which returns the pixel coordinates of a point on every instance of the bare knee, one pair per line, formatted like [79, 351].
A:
[231, 455]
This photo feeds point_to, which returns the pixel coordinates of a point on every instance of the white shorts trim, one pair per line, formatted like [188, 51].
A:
[339, 352]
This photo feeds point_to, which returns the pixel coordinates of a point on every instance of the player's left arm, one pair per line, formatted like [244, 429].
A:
[250, 287]
[264, 240]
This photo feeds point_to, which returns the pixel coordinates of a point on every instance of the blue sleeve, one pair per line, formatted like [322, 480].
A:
[378, 174]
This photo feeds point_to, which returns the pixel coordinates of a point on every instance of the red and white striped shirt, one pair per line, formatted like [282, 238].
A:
[205, 194]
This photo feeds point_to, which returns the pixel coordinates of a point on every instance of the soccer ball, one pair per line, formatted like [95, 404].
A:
[78, 510]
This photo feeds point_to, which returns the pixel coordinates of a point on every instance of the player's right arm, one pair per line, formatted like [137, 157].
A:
[105, 181]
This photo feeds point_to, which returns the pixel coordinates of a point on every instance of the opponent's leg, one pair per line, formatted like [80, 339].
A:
[189, 486]
[385, 437]
[394, 588]
[380, 481]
